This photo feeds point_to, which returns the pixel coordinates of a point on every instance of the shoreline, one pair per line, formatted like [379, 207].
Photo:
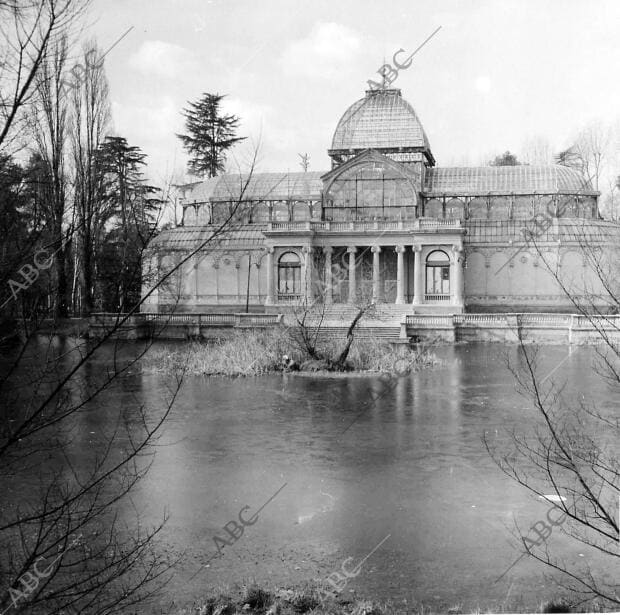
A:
[298, 374]
[355, 373]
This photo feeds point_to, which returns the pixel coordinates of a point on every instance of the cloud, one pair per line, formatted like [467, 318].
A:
[161, 59]
[253, 117]
[152, 126]
[325, 53]
[483, 84]
[161, 116]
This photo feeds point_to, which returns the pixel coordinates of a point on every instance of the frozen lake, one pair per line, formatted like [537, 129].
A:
[352, 461]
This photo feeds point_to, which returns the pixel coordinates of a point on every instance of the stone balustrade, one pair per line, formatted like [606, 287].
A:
[178, 325]
[418, 224]
[530, 327]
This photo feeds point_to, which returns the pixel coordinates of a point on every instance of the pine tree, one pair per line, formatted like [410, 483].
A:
[210, 135]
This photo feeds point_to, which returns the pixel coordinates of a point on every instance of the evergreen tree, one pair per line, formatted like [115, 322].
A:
[24, 192]
[210, 135]
[130, 205]
[16, 223]
[124, 188]
[507, 159]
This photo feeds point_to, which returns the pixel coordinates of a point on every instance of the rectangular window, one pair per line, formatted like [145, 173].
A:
[290, 280]
[438, 280]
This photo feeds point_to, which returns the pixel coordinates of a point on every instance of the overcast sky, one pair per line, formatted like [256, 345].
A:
[498, 72]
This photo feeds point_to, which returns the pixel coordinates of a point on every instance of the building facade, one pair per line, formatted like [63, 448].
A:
[385, 224]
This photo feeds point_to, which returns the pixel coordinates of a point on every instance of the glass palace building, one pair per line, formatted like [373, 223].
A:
[386, 224]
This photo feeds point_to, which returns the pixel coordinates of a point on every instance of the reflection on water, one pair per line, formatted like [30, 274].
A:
[412, 465]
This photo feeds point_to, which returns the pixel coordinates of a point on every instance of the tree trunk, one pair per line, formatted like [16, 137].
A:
[87, 276]
[340, 361]
[60, 310]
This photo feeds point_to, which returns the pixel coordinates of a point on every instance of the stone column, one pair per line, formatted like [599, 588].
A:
[376, 274]
[418, 276]
[351, 250]
[156, 273]
[196, 279]
[457, 268]
[216, 266]
[240, 294]
[400, 275]
[257, 265]
[328, 293]
[308, 273]
[270, 300]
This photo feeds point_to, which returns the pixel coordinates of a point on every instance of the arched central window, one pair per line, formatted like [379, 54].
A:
[289, 276]
[438, 275]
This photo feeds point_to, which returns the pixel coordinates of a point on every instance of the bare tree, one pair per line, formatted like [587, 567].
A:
[611, 196]
[611, 179]
[570, 455]
[311, 312]
[536, 151]
[28, 30]
[49, 128]
[590, 152]
[169, 197]
[90, 123]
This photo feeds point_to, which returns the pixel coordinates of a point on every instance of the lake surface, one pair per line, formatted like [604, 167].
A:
[352, 461]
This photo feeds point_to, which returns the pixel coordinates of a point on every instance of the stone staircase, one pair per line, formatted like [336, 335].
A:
[385, 333]
[384, 315]
[383, 322]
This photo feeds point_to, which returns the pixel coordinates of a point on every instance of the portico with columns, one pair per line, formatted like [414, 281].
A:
[421, 268]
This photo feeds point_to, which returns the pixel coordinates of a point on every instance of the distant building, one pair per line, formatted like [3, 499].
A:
[387, 222]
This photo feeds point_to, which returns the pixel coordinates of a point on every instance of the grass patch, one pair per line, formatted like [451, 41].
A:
[254, 601]
[253, 353]
[243, 354]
